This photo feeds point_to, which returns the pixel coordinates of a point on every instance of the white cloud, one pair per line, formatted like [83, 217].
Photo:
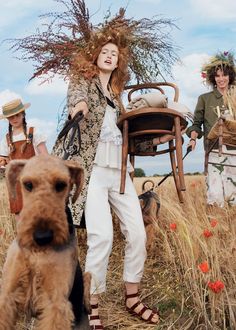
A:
[14, 11]
[215, 9]
[7, 96]
[155, 2]
[47, 128]
[188, 78]
[56, 86]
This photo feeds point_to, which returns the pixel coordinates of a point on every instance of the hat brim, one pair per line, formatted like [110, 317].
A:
[25, 106]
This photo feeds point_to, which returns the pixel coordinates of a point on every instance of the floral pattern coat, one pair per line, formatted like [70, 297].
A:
[92, 93]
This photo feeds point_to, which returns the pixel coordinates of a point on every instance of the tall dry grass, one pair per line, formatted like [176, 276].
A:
[172, 279]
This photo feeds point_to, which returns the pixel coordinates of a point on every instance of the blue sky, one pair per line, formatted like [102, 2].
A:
[205, 27]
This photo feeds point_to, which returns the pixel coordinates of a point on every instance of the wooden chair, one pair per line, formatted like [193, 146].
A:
[153, 122]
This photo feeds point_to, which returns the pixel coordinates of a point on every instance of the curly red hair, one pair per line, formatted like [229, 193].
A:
[85, 63]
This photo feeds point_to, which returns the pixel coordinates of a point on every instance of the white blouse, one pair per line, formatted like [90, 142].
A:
[109, 150]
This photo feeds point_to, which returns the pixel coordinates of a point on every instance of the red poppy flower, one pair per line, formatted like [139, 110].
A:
[214, 222]
[216, 286]
[204, 267]
[207, 233]
[173, 226]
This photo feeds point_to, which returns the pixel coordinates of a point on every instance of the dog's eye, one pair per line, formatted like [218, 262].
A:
[60, 186]
[28, 185]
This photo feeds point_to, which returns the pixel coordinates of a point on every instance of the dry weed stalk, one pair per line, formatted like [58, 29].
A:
[230, 100]
[202, 238]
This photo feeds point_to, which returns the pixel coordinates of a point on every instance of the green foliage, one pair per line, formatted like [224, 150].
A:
[139, 173]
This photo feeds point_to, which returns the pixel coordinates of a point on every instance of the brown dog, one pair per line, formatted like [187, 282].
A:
[41, 275]
[150, 205]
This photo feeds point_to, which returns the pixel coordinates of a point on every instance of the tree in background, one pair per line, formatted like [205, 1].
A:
[139, 172]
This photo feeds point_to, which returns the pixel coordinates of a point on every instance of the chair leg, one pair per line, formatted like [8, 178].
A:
[124, 156]
[220, 136]
[131, 157]
[179, 153]
[174, 170]
[206, 163]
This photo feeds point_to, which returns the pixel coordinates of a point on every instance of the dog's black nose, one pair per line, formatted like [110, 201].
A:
[43, 236]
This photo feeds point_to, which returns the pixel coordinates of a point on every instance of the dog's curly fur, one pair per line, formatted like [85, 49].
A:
[41, 269]
[150, 205]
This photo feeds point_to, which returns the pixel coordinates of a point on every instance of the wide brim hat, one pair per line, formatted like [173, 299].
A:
[13, 108]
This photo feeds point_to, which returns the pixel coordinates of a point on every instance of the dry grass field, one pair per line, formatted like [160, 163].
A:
[190, 273]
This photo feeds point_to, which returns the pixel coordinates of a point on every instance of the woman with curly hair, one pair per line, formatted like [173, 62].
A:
[220, 180]
[96, 93]
[97, 60]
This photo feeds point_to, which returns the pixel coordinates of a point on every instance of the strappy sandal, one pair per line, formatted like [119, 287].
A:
[139, 314]
[95, 317]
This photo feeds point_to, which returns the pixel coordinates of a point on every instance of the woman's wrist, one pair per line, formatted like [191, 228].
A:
[73, 112]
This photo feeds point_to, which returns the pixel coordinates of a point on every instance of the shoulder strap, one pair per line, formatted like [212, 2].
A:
[30, 135]
[31, 130]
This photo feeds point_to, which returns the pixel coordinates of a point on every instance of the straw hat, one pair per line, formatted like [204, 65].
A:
[12, 108]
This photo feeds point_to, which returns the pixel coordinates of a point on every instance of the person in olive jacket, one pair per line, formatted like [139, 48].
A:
[220, 74]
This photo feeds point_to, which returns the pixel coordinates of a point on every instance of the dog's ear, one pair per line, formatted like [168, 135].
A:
[77, 177]
[148, 181]
[13, 171]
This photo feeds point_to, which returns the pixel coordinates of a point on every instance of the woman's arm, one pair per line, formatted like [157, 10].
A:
[195, 131]
[77, 97]
[193, 138]
[42, 148]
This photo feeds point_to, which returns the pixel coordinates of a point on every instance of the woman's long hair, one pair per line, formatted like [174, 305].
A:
[85, 64]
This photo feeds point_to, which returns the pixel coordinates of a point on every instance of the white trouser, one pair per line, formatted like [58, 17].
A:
[103, 192]
[221, 180]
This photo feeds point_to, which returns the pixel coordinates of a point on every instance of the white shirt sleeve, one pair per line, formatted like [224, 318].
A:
[38, 138]
[4, 150]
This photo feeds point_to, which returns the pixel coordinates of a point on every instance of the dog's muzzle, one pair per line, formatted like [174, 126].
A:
[43, 236]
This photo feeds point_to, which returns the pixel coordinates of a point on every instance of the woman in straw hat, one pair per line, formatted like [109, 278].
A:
[20, 142]
[220, 74]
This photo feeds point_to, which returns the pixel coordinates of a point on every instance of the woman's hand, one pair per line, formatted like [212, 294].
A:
[193, 140]
[42, 148]
[79, 107]
[192, 143]
[3, 161]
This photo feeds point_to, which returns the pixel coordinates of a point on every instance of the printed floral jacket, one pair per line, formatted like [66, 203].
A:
[91, 92]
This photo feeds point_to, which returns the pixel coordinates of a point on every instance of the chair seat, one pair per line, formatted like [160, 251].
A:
[151, 121]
